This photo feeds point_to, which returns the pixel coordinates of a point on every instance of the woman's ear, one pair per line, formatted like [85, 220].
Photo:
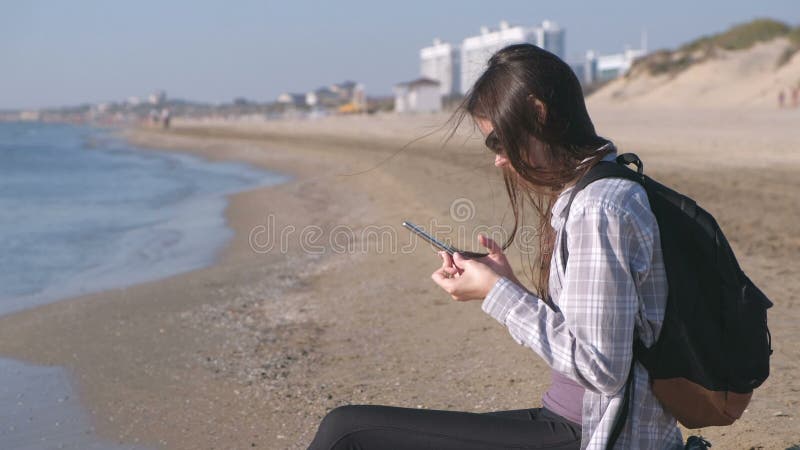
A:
[539, 106]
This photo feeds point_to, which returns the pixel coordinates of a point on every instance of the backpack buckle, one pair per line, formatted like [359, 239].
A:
[631, 158]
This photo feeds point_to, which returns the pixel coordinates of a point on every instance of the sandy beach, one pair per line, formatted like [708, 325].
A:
[317, 302]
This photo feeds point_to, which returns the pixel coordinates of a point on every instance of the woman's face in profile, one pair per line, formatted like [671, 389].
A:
[536, 149]
[500, 158]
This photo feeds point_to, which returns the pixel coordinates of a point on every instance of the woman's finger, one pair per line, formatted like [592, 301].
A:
[449, 272]
[460, 261]
[447, 261]
[452, 271]
[444, 280]
[489, 243]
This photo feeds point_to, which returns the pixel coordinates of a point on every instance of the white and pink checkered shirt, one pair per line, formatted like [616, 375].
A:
[614, 286]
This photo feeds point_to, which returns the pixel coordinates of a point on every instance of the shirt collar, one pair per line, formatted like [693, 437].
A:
[561, 202]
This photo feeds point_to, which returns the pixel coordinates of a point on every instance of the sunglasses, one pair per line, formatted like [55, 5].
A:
[493, 143]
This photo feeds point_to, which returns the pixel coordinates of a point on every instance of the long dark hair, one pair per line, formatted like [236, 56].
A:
[528, 92]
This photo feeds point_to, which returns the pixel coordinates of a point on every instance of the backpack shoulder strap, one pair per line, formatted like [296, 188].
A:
[603, 169]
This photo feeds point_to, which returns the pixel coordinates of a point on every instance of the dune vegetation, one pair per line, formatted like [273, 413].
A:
[739, 37]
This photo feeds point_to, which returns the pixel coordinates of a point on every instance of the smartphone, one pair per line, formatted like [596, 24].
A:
[439, 244]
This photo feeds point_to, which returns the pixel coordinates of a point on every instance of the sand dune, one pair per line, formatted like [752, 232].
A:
[731, 79]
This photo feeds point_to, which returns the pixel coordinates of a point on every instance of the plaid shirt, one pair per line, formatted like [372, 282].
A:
[614, 285]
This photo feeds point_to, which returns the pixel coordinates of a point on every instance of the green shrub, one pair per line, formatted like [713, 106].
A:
[794, 36]
[748, 34]
[738, 37]
[697, 44]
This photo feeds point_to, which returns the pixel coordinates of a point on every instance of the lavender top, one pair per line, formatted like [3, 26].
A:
[565, 397]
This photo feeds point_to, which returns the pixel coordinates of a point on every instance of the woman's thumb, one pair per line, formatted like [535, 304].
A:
[494, 247]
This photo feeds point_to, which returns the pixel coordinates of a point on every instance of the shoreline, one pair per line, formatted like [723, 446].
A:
[41, 410]
[32, 388]
[241, 204]
[256, 348]
[202, 211]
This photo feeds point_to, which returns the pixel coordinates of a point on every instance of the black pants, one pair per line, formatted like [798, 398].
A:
[385, 427]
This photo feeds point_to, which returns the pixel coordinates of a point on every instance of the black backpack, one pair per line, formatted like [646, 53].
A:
[714, 345]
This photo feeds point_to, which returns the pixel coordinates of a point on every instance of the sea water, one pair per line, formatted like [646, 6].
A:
[83, 211]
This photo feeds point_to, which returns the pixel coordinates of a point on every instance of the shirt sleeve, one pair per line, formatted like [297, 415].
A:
[590, 337]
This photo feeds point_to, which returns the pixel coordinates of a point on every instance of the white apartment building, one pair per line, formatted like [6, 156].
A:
[598, 68]
[476, 50]
[442, 62]
[550, 37]
[607, 67]
[420, 95]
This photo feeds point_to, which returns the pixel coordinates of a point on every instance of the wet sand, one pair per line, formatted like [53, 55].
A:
[291, 322]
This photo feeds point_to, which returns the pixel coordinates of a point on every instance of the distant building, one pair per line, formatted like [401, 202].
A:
[157, 97]
[358, 99]
[344, 90]
[311, 98]
[292, 99]
[322, 97]
[551, 37]
[476, 50]
[29, 116]
[612, 66]
[578, 67]
[442, 62]
[348, 96]
[420, 95]
[352, 97]
[599, 68]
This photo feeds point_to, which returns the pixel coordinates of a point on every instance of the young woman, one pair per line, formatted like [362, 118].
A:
[582, 314]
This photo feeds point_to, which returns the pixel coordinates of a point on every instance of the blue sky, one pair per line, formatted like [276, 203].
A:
[67, 52]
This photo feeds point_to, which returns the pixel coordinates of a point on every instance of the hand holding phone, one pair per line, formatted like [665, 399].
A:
[476, 273]
[441, 245]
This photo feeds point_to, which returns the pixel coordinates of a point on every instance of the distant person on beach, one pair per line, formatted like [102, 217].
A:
[165, 118]
[795, 97]
[581, 315]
